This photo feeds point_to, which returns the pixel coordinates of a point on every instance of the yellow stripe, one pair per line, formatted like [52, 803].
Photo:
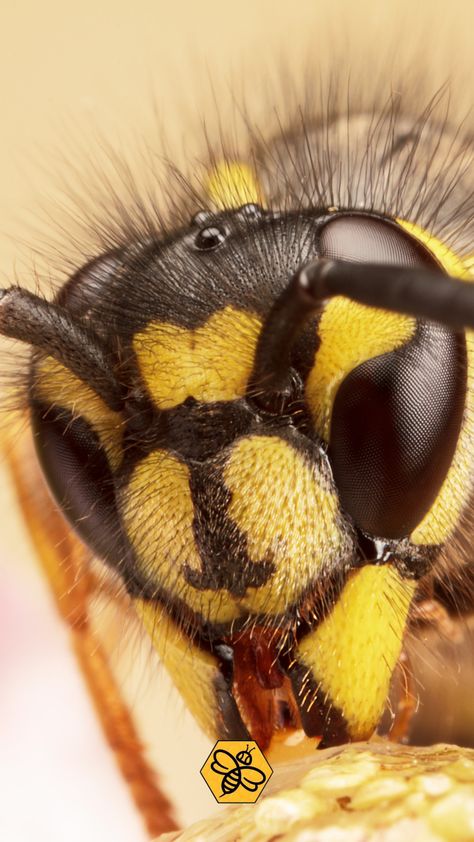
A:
[353, 653]
[210, 363]
[231, 184]
[458, 267]
[193, 671]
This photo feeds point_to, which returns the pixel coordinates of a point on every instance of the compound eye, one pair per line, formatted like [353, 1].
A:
[395, 425]
[201, 218]
[369, 239]
[89, 285]
[78, 474]
[396, 417]
[210, 238]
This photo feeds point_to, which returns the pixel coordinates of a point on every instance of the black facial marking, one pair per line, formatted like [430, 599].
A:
[222, 547]
[196, 431]
[175, 281]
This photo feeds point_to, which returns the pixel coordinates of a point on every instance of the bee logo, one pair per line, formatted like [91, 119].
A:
[236, 771]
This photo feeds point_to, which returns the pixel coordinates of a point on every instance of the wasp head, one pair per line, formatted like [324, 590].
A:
[270, 463]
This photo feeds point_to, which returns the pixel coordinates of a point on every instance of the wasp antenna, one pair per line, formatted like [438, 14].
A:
[412, 291]
[50, 328]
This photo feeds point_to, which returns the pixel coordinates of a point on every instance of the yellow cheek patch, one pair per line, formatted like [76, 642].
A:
[210, 363]
[288, 514]
[158, 514]
[350, 334]
[232, 184]
[353, 653]
[194, 672]
[57, 386]
[443, 517]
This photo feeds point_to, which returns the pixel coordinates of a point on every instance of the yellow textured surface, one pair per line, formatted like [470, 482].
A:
[350, 334]
[210, 363]
[287, 512]
[57, 386]
[353, 652]
[366, 793]
[195, 682]
[285, 509]
[232, 184]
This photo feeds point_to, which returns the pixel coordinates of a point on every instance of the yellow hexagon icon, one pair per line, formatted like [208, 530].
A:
[236, 772]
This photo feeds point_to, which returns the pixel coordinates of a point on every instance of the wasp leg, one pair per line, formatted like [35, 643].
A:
[65, 562]
[407, 702]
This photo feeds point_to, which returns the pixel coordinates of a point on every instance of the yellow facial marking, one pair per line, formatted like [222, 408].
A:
[353, 653]
[350, 334]
[193, 671]
[210, 363]
[232, 184]
[55, 385]
[158, 514]
[284, 508]
[442, 518]
[288, 512]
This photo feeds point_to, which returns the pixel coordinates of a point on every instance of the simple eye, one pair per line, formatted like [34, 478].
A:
[251, 211]
[210, 238]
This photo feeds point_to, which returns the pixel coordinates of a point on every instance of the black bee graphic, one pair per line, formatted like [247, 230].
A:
[237, 771]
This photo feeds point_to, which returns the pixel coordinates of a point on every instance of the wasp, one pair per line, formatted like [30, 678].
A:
[259, 418]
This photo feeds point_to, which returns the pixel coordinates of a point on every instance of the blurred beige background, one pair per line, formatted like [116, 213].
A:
[70, 72]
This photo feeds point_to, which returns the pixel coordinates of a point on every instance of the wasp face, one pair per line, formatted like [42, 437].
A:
[274, 481]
